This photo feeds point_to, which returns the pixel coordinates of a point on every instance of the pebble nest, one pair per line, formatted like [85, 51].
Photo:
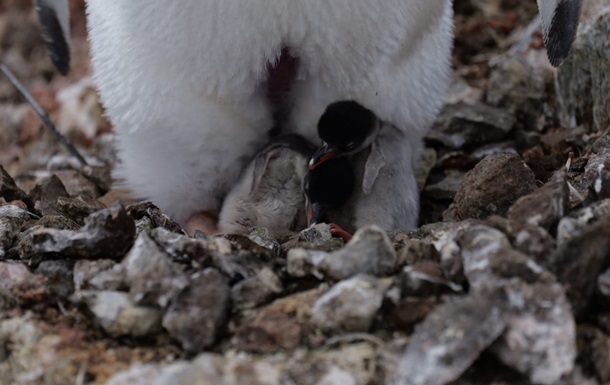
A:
[507, 281]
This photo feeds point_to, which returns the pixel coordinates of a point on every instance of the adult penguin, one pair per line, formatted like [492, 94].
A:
[186, 83]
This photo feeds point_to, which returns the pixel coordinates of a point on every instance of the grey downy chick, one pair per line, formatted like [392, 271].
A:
[350, 136]
[269, 193]
[346, 129]
[381, 157]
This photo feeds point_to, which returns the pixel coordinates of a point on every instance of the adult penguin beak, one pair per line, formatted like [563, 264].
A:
[323, 154]
[559, 26]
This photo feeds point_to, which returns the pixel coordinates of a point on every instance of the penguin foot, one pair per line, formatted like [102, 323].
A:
[337, 231]
[203, 221]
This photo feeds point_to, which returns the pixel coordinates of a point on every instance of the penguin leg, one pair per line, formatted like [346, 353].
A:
[203, 221]
[187, 158]
[183, 84]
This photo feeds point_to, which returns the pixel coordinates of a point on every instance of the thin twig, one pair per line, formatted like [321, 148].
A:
[42, 114]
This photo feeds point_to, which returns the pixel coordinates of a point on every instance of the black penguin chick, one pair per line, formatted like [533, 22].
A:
[328, 187]
[345, 127]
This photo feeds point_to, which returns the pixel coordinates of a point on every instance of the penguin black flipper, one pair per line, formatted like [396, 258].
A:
[559, 24]
[54, 21]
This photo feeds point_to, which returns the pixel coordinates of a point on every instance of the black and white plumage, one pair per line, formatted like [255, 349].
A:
[559, 26]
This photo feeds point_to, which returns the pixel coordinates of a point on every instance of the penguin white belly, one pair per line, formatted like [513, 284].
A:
[184, 82]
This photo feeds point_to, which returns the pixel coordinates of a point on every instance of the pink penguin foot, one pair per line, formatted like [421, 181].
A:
[203, 221]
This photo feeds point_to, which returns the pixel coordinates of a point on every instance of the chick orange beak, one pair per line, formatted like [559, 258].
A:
[320, 156]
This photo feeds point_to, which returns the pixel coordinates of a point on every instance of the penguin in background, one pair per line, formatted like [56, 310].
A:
[184, 83]
[55, 24]
[559, 25]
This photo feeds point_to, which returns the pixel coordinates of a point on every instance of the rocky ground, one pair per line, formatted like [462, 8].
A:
[507, 281]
